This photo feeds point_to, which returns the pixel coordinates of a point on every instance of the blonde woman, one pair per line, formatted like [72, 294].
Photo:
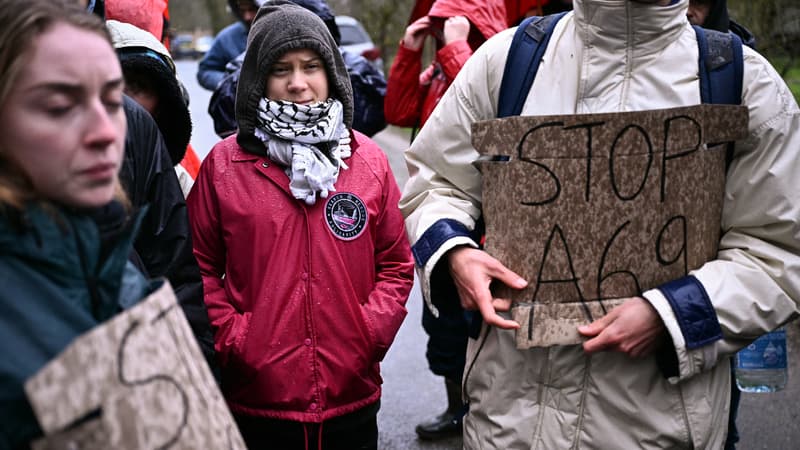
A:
[65, 232]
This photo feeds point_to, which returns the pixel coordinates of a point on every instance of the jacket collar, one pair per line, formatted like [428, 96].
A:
[617, 26]
[66, 246]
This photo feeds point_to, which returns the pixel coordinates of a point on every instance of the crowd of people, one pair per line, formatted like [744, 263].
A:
[292, 251]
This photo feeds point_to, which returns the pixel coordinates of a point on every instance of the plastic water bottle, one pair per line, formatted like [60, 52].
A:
[761, 366]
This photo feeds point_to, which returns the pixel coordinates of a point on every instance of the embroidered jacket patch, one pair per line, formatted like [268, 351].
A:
[346, 215]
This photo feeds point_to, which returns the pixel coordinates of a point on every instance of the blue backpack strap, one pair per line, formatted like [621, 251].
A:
[527, 47]
[721, 67]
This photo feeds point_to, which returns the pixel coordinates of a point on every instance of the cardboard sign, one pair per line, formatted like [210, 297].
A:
[592, 209]
[138, 381]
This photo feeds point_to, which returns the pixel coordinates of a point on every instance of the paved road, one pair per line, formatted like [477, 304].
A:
[412, 394]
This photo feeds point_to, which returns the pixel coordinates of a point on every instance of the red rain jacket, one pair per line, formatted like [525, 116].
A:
[302, 311]
[148, 15]
[411, 95]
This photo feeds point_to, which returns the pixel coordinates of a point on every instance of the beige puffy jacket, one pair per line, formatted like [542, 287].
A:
[612, 56]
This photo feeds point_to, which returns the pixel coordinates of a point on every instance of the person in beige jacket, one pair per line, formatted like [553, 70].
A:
[611, 392]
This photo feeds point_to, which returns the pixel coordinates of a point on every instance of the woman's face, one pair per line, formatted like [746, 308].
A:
[298, 76]
[63, 122]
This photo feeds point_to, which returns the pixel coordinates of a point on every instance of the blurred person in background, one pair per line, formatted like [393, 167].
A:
[457, 29]
[151, 80]
[229, 43]
[713, 14]
[153, 16]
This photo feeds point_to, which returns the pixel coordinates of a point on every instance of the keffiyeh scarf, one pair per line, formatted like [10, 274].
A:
[290, 132]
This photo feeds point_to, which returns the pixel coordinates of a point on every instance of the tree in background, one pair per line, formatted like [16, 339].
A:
[190, 15]
[384, 20]
[776, 25]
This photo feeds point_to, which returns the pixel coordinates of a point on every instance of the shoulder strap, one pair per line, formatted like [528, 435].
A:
[721, 67]
[527, 47]
[721, 70]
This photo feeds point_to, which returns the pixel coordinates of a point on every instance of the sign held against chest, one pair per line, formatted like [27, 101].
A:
[592, 209]
[137, 381]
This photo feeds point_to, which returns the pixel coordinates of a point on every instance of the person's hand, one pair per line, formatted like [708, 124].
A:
[456, 28]
[473, 271]
[633, 328]
[416, 32]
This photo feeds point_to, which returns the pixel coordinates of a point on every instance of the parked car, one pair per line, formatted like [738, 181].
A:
[356, 40]
[202, 44]
[182, 46]
[185, 45]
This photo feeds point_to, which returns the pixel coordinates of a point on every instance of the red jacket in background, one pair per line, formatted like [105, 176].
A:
[148, 15]
[191, 162]
[304, 299]
[411, 96]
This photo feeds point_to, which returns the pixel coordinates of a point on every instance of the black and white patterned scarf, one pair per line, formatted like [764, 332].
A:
[290, 132]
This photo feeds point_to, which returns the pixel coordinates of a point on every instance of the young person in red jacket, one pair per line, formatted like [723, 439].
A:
[302, 248]
[458, 27]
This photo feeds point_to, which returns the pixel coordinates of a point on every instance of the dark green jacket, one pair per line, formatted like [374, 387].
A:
[57, 281]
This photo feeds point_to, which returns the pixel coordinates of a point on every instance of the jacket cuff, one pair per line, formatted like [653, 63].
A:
[678, 361]
[437, 234]
[437, 240]
[693, 311]
[452, 57]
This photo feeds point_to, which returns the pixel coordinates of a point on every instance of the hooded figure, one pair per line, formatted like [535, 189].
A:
[163, 247]
[411, 94]
[229, 43]
[271, 43]
[149, 70]
[303, 252]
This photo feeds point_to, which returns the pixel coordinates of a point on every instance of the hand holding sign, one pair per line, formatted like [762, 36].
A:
[473, 271]
[595, 209]
[633, 328]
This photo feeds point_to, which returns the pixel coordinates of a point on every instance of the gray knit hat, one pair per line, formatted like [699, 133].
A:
[281, 26]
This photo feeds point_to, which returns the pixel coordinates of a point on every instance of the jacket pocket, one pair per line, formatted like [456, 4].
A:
[375, 354]
[240, 370]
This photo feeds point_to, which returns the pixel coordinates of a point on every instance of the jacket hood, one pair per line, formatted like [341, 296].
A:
[488, 16]
[143, 57]
[281, 26]
[747, 37]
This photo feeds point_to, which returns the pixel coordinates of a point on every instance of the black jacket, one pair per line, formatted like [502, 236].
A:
[163, 247]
